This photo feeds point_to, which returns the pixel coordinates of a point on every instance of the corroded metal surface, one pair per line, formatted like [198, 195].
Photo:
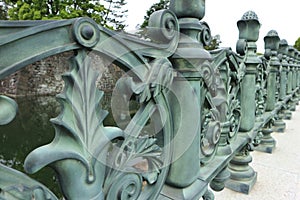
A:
[199, 115]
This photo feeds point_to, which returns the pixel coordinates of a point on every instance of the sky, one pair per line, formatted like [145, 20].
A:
[222, 16]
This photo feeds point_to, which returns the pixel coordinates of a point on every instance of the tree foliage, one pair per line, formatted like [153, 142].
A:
[297, 44]
[3, 10]
[116, 14]
[67, 9]
[214, 43]
[164, 4]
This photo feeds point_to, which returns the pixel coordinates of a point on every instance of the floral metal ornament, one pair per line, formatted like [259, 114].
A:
[198, 114]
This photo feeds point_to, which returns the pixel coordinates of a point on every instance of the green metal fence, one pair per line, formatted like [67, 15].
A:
[199, 115]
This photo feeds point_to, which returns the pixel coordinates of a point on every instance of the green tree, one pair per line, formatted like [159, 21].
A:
[61, 9]
[116, 14]
[297, 44]
[3, 10]
[214, 43]
[162, 4]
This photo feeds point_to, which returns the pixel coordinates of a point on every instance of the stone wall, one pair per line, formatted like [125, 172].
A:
[9, 84]
[44, 77]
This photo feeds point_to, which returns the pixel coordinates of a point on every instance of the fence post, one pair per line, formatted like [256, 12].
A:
[272, 43]
[295, 80]
[206, 109]
[243, 177]
[188, 60]
[279, 124]
[290, 81]
[267, 142]
[294, 85]
[298, 76]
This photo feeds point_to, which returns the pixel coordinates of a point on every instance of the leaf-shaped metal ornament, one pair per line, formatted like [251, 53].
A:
[15, 185]
[8, 109]
[140, 162]
[79, 149]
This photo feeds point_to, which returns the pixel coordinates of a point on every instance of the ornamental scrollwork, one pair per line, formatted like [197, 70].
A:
[139, 160]
[261, 87]
[81, 139]
[213, 98]
[232, 71]
[183, 117]
[98, 157]
[236, 70]
[16, 185]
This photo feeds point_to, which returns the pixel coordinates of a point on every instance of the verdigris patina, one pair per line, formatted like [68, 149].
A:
[200, 113]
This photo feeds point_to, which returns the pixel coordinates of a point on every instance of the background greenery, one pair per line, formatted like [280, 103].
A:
[108, 13]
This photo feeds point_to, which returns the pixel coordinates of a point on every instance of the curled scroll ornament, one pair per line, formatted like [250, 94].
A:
[81, 146]
[163, 26]
[205, 35]
[142, 156]
[212, 99]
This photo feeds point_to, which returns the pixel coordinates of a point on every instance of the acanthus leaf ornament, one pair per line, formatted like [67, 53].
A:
[15, 185]
[81, 140]
[196, 113]
[214, 101]
[138, 156]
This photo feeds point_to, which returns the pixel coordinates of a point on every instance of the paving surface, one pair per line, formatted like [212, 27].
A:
[278, 173]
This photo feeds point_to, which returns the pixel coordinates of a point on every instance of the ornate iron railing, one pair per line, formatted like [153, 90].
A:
[200, 113]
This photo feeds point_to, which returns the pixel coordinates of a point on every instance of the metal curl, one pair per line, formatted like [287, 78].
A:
[205, 35]
[212, 131]
[268, 54]
[125, 187]
[207, 74]
[85, 32]
[241, 47]
[163, 26]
